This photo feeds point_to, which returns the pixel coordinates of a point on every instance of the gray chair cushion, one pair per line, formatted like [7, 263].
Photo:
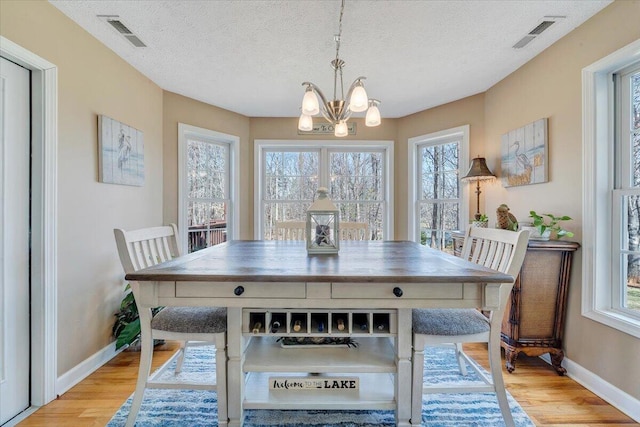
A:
[449, 321]
[198, 320]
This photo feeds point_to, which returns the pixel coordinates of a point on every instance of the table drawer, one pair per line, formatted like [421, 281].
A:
[240, 290]
[397, 290]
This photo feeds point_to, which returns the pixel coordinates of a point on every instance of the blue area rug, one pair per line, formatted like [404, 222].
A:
[193, 408]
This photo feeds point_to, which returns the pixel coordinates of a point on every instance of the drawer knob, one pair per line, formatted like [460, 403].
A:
[239, 290]
[397, 292]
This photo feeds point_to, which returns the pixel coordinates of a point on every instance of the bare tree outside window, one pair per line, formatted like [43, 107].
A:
[632, 295]
[356, 183]
[357, 188]
[291, 180]
[439, 194]
[207, 184]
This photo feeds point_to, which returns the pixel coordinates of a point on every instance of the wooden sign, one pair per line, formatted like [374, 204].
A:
[315, 383]
[326, 129]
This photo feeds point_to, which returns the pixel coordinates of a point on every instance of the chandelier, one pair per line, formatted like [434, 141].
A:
[338, 111]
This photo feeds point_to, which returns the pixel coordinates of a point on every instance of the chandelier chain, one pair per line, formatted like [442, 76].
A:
[338, 65]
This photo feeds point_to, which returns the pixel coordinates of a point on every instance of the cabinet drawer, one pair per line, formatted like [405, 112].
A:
[405, 290]
[240, 290]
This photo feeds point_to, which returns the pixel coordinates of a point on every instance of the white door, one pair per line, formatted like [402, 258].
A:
[14, 230]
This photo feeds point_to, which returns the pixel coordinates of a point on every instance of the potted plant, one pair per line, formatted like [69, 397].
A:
[126, 328]
[482, 222]
[544, 225]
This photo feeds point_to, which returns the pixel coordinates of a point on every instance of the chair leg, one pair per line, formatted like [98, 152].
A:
[221, 382]
[417, 384]
[495, 363]
[146, 354]
[180, 360]
[460, 358]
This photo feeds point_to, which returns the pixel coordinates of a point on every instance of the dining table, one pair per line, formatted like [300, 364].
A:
[325, 331]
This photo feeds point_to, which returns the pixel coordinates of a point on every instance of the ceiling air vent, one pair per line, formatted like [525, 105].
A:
[120, 27]
[539, 29]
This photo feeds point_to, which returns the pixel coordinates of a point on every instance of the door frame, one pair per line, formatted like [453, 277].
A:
[44, 214]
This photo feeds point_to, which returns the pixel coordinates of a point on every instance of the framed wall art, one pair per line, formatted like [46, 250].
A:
[120, 153]
[525, 155]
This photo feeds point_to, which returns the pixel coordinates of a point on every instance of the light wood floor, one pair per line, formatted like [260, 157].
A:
[548, 399]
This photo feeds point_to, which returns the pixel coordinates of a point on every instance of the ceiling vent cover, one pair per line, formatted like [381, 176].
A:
[122, 29]
[547, 21]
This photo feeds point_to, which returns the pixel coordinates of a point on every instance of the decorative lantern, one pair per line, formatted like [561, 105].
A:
[322, 225]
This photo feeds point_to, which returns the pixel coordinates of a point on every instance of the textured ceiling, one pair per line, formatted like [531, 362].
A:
[251, 56]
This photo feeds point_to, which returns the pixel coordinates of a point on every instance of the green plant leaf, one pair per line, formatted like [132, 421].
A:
[129, 334]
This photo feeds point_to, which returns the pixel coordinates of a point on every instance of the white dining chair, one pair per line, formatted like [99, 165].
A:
[354, 231]
[191, 326]
[290, 230]
[497, 249]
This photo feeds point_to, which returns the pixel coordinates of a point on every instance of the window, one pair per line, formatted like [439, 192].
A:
[207, 214]
[358, 175]
[611, 192]
[438, 200]
[626, 194]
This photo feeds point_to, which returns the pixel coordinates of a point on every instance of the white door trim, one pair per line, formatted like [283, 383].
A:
[44, 78]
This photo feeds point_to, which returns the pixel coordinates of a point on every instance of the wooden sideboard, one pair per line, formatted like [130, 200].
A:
[533, 322]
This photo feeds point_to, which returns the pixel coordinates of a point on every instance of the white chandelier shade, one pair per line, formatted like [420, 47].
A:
[305, 123]
[310, 106]
[373, 114]
[338, 110]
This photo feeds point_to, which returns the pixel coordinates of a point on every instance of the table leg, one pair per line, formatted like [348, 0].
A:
[403, 376]
[235, 376]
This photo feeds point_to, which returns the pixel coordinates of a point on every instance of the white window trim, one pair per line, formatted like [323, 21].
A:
[184, 133]
[412, 188]
[263, 144]
[598, 129]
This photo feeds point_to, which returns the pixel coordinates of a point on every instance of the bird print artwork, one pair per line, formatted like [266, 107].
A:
[524, 155]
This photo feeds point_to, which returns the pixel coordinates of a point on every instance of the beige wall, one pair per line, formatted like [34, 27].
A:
[467, 111]
[178, 109]
[92, 80]
[550, 86]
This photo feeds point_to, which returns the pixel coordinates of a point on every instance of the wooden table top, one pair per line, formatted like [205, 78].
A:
[287, 261]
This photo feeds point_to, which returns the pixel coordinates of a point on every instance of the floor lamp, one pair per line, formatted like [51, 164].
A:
[478, 172]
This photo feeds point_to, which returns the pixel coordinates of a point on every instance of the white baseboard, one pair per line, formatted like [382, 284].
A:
[613, 395]
[85, 368]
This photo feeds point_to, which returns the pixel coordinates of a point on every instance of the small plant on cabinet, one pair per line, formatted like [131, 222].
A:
[550, 224]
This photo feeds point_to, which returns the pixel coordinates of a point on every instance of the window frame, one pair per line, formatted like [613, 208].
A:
[186, 132]
[324, 146]
[598, 133]
[431, 139]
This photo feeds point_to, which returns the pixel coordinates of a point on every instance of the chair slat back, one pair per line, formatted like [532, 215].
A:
[495, 248]
[291, 230]
[145, 247]
[500, 250]
[354, 231]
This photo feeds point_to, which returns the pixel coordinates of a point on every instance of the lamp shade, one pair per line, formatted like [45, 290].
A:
[341, 129]
[359, 100]
[479, 171]
[373, 116]
[305, 123]
[310, 105]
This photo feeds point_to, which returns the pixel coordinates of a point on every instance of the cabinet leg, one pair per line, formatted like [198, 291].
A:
[510, 356]
[557, 356]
